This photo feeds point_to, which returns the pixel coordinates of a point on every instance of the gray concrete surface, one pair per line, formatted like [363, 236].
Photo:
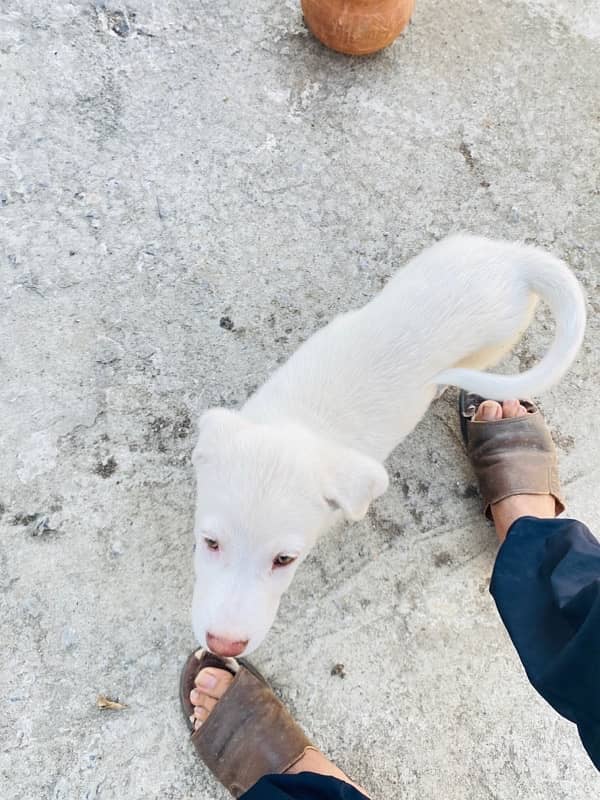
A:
[168, 165]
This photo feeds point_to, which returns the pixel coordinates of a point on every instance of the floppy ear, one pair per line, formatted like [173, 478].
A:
[352, 481]
[216, 425]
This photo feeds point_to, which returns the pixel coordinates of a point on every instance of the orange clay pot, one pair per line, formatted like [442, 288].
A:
[357, 27]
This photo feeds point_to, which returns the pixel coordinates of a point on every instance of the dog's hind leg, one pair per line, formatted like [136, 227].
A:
[488, 356]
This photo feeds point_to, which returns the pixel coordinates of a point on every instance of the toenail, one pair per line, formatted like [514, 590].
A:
[206, 680]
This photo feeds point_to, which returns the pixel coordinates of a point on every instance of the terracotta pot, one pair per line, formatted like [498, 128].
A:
[357, 27]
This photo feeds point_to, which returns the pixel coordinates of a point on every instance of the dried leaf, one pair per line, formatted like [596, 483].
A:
[104, 702]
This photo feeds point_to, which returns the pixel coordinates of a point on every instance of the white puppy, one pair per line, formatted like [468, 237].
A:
[307, 448]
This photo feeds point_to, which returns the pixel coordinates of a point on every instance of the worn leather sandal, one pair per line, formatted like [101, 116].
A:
[249, 733]
[510, 456]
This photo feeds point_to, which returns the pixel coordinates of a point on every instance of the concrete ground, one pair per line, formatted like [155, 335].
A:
[189, 189]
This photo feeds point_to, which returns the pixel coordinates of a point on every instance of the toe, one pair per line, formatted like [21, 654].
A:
[202, 700]
[203, 710]
[196, 697]
[522, 412]
[208, 704]
[510, 408]
[202, 713]
[488, 411]
[210, 683]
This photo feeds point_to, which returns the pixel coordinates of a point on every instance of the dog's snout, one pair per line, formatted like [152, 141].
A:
[225, 647]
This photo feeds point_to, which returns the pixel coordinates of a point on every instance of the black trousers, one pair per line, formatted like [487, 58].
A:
[546, 584]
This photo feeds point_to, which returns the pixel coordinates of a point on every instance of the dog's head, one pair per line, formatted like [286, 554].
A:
[264, 494]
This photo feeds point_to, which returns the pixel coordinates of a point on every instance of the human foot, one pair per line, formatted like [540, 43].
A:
[514, 458]
[506, 511]
[272, 742]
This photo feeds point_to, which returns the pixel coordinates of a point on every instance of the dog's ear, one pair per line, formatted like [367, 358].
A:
[352, 481]
[215, 425]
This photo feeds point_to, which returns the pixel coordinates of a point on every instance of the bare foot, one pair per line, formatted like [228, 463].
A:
[212, 683]
[520, 505]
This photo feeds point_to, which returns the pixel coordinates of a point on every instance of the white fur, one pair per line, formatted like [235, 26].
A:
[307, 448]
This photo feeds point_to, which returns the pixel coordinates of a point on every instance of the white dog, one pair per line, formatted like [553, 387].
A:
[307, 448]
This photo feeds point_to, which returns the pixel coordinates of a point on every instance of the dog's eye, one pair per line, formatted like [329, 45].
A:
[283, 561]
[212, 544]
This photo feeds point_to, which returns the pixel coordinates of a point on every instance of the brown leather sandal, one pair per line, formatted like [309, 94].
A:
[510, 456]
[249, 733]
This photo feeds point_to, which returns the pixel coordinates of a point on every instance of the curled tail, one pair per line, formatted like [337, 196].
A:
[556, 285]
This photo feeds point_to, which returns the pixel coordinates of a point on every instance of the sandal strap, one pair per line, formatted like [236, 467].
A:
[249, 734]
[514, 456]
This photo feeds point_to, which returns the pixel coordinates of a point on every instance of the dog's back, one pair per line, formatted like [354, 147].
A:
[368, 377]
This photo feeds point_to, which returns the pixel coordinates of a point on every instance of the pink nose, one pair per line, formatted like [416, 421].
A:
[224, 647]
